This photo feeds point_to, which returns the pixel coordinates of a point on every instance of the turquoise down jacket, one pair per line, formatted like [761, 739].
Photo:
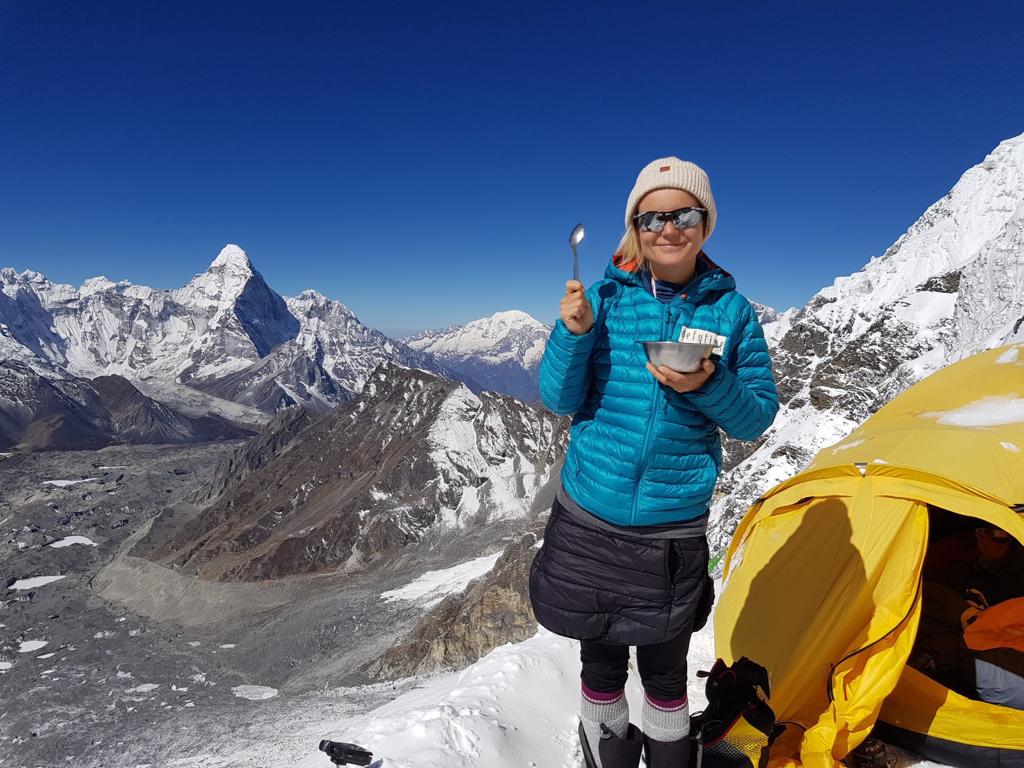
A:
[641, 453]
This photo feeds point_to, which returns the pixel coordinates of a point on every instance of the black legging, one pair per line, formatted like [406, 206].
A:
[662, 666]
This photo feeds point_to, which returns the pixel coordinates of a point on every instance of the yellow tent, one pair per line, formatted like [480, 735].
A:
[822, 578]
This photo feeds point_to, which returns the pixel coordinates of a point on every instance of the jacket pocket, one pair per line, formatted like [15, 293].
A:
[686, 559]
[578, 447]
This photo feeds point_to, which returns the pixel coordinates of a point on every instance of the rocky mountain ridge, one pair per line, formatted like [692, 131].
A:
[413, 456]
[951, 286]
[63, 412]
[225, 322]
[225, 334]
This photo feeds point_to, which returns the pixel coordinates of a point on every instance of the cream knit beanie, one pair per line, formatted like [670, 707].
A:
[673, 173]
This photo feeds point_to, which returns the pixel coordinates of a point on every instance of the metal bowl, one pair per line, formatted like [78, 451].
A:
[680, 356]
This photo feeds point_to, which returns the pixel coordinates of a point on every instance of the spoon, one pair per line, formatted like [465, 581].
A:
[575, 238]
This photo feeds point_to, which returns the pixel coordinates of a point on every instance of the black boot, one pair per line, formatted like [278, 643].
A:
[667, 754]
[872, 753]
[615, 752]
[619, 752]
[588, 756]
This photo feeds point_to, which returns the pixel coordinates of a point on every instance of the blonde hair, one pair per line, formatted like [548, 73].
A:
[629, 249]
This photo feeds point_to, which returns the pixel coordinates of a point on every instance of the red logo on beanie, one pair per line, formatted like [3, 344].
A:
[665, 168]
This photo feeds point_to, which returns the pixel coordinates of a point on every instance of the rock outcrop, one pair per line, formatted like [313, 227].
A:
[492, 610]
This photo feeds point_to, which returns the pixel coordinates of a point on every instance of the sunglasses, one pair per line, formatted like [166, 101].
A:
[683, 218]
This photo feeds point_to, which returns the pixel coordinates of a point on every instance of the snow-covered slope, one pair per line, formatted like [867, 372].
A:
[765, 314]
[501, 353]
[951, 286]
[347, 350]
[515, 707]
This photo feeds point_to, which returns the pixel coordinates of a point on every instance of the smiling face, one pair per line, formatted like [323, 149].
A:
[671, 253]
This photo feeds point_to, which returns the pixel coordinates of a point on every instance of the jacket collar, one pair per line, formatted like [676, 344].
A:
[708, 276]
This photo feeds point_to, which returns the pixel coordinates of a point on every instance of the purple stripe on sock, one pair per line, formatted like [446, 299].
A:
[597, 697]
[666, 706]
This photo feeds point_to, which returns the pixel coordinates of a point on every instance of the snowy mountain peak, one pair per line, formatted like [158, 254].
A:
[31, 276]
[513, 316]
[950, 234]
[95, 285]
[499, 337]
[948, 288]
[232, 257]
[501, 352]
[312, 296]
[223, 282]
[765, 314]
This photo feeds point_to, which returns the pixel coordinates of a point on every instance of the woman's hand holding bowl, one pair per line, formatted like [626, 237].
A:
[576, 312]
[683, 382]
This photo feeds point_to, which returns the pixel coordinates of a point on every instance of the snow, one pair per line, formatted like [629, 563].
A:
[517, 706]
[154, 337]
[1009, 356]
[27, 646]
[96, 285]
[254, 692]
[144, 688]
[924, 308]
[35, 581]
[949, 288]
[66, 483]
[193, 402]
[232, 256]
[949, 235]
[989, 411]
[847, 446]
[433, 586]
[67, 541]
[5, 665]
[510, 336]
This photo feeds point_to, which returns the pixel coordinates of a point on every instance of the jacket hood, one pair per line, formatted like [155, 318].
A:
[707, 278]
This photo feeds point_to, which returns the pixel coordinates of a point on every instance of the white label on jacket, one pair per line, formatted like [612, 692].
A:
[700, 336]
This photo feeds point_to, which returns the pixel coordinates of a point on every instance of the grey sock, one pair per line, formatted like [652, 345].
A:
[608, 708]
[666, 720]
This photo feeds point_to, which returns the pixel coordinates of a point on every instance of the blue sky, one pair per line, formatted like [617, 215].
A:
[425, 163]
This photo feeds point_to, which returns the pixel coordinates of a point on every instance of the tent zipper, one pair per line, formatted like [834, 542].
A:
[834, 667]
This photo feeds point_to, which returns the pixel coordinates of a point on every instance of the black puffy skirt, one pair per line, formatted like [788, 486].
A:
[591, 584]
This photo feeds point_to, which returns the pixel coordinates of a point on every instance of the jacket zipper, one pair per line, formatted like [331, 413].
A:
[655, 402]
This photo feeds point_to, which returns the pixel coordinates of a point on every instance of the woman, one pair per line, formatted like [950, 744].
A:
[625, 555]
